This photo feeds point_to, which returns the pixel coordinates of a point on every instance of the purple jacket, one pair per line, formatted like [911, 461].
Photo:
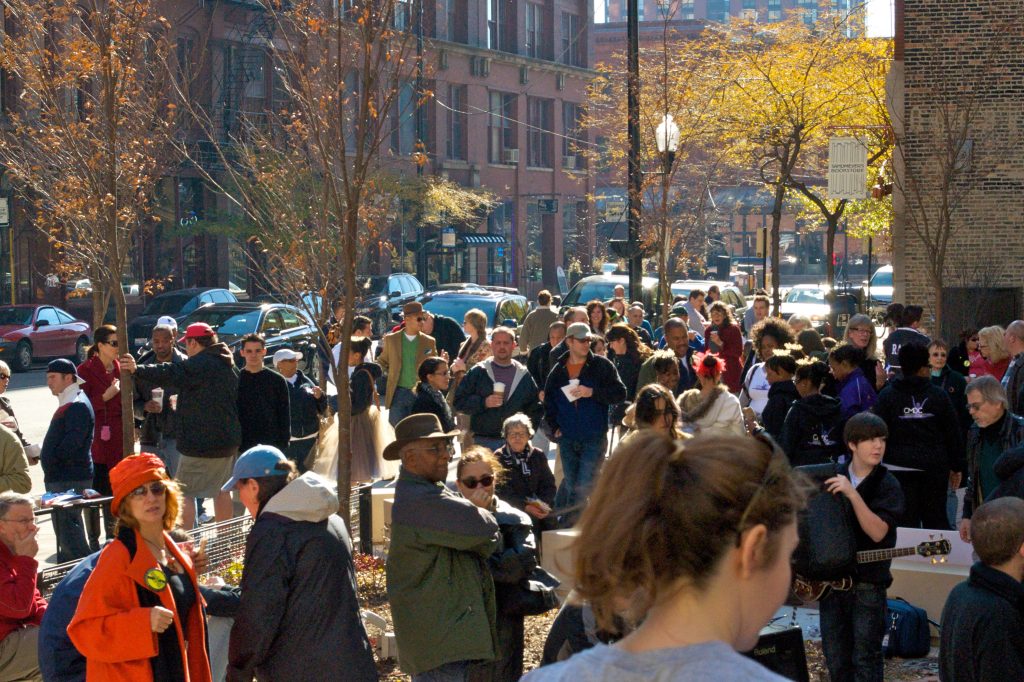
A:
[856, 394]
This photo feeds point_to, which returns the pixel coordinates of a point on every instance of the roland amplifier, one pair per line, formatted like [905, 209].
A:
[781, 650]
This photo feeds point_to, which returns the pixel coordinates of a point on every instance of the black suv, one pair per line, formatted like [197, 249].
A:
[381, 297]
[498, 306]
[177, 304]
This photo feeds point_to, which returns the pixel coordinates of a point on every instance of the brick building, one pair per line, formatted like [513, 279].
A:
[957, 92]
[719, 10]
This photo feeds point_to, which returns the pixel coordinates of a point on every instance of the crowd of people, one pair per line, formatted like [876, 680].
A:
[678, 460]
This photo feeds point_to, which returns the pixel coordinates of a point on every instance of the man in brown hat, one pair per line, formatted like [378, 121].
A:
[439, 587]
[400, 358]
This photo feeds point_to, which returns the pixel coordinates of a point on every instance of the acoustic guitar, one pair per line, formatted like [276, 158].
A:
[813, 590]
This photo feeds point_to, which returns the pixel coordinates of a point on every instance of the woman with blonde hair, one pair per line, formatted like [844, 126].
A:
[860, 333]
[993, 349]
[141, 616]
[697, 555]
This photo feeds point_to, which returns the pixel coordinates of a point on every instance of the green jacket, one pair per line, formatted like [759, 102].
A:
[439, 586]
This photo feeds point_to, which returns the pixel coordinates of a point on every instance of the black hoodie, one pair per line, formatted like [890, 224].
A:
[781, 395]
[924, 431]
[810, 433]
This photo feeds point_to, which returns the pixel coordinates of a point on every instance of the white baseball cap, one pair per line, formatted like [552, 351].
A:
[168, 320]
[286, 354]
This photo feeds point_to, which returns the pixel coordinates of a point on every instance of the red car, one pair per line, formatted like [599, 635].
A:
[29, 332]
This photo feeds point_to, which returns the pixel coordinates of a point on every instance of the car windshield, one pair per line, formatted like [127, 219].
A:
[456, 308]
[882, 278]
[12, 315]
[372, 286]
[226, 322]
[806, 296]
[584, 292]
[167, 305]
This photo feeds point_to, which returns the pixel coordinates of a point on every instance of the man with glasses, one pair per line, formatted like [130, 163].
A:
[402, 353]
[439, 586]
[995, 430]
[66, 455]
[577, 396]
[22, 607]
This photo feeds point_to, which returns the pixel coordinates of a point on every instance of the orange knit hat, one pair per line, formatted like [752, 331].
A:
[131, 472]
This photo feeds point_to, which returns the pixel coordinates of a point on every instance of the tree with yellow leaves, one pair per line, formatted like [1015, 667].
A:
[85, 140]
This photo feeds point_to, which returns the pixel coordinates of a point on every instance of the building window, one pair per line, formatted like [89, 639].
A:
[501, 25]
[457, 14]
[686, 10]
[501, 131]
[403, 117]
[457, 122]
[534, 30]
[538, 116]
[572, 40]
[718, 10]
[774, 10]
[403, 14]
[572, 128]
[749, 10]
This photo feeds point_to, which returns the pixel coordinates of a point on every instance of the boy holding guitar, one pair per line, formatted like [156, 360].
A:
[853, 621]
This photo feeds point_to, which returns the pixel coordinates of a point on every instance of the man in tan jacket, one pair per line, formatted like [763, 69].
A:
[402, 353]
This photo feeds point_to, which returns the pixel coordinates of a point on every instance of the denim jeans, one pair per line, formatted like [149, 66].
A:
[401, 405]
[67, 523]
[852, 629]
[580, 461]
[167, 450]
[456, 671]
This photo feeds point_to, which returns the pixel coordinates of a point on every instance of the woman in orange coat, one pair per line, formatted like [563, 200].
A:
[141, 615]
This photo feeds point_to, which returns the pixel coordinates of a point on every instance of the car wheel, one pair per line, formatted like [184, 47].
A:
[383, 323]
[22, 357]
[81, 350]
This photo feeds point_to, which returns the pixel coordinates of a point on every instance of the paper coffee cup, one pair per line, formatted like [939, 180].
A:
[157, 394]
[574, 382]
[499, 387]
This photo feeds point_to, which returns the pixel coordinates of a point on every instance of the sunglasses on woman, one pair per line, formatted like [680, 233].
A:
[156, 487]
[472, 482]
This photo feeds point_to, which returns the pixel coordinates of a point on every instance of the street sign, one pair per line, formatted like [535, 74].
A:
[847, 168]
[5, 212]
[448, 238]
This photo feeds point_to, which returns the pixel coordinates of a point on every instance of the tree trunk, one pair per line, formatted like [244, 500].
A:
[830, 248]
[937, 307]
[344, 416]
[780, 196]
[127, 384]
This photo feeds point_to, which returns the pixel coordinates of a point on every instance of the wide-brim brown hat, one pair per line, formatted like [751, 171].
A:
[412, 308]
[416, 427]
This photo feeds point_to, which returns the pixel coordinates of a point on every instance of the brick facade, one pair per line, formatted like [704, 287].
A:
[958, 58]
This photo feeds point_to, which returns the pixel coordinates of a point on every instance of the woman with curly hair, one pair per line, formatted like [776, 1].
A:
[768, 335]
[725, 340]
[711, 408]
[597, 316]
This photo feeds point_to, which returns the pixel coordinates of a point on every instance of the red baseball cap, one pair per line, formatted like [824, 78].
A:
[197, 330]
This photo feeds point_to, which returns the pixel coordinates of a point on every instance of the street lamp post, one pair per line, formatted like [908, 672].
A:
[635, 175]
[666, 136]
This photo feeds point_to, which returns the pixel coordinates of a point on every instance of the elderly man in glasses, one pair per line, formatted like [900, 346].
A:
[441, 592]
[22, 608]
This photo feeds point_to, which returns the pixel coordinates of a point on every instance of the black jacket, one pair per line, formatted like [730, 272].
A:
[958, 360]
[982, 636]
[478, 384]
[924, 432]
[525, 478]
[781, 395]
[155, 424]
[431, 401]
[66, 454]
[1015, 384]
[305, 409]
[585, 419]
[810, 433]
[1011, 435]
[263, 409]
[361, 385]
[899, 338]
[955, 386]
[448, 335]
[882, 495]
[207, 386]
[1009, 468]
[298, 610]
[538, 363]
[628, 367]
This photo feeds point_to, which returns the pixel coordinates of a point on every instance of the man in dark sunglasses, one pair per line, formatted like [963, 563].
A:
[440, 542]
[400, 358]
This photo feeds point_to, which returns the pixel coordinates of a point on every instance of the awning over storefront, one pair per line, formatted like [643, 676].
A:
[472, 239]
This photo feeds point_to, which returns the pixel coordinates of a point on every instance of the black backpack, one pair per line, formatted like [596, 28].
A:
[828, 545]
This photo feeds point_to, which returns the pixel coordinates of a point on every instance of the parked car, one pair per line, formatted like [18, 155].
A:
[282, 325]
[881, 291]
[498, 306]
[731, 294]
[177, 304]
[602, 287]
[808, 300]
[34, 332]
[381, 297]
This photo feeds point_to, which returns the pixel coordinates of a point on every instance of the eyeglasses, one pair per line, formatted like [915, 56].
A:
[518, 434]
[4, 377]
[156, 487]
[110, 343]
[974, 407]
[419, 318]
[472, 482]
[24, 522]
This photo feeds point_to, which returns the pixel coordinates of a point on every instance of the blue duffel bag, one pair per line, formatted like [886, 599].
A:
[907, 635]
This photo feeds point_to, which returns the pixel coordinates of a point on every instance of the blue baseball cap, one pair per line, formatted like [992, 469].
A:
[256, 462]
